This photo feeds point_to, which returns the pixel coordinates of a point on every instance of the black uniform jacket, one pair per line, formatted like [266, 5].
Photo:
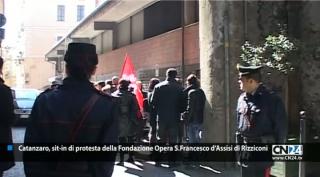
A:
[262, 114]
[7, 118]
[54, 115]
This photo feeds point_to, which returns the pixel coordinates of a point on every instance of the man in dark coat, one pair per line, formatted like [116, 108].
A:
[193, 114]
[167, 100]
[58, 117]
[7, 119]
[127, 116]
[261, 118]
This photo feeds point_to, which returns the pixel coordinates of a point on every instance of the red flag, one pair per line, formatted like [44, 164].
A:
[128, 72]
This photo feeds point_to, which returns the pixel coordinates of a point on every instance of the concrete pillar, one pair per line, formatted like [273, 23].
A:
[211, 39]
[310, 65]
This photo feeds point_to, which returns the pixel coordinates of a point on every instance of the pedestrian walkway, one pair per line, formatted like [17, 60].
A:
[147, 169]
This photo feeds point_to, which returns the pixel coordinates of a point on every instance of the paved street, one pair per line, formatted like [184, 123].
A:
[142, 169]
[17, 170]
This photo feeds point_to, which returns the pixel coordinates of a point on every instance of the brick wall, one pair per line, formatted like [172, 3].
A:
[163, 50]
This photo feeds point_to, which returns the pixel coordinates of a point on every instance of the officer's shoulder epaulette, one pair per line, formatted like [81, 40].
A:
[273, 94]
[270, 91]
[45, 93]
[265, 90]
[52, 89]
[47, 90]
[5, 86]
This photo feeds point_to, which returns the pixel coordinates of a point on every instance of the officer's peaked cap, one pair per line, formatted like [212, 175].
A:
[78, 51]
[247, 70]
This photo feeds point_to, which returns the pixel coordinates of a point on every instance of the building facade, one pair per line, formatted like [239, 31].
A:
[44, 25]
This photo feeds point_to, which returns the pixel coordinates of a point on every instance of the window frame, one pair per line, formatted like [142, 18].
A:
[61, 10]
[80, 12]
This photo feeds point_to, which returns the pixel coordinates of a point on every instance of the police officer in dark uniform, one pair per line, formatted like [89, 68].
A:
[75, 112]
[261, 118]
[7, 119]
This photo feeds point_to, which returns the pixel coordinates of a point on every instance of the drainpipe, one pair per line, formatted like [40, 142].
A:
[182, 42]
[227, 71]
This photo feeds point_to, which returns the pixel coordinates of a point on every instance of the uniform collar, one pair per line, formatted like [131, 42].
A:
[72, 82]
[1, 81]
[259, 90]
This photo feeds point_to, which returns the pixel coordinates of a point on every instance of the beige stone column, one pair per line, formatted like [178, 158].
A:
[211, 39]
[221, 35]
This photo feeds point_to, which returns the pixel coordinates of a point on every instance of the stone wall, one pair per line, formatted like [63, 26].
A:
[224, 26]
[300, 90]
[310, 65]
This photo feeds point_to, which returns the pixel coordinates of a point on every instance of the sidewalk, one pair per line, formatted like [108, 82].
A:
[147, 169]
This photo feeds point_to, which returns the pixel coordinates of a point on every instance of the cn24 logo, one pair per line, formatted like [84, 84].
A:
[287, 150]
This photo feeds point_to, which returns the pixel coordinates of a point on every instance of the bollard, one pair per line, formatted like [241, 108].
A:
[302, 165]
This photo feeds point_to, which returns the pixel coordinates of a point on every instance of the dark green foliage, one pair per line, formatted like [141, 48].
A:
[272, 53]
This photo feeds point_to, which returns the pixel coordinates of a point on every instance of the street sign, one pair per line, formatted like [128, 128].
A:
[2, 20]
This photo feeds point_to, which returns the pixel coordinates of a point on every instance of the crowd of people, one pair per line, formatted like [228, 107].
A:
[78, 111]
[172, 113]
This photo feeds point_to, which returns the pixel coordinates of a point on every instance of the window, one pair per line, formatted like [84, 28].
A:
[123, 33]
[153, 14]
[80, 12]
[60, 13]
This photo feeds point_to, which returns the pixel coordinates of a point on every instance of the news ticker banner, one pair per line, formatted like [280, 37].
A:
[202, 152]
